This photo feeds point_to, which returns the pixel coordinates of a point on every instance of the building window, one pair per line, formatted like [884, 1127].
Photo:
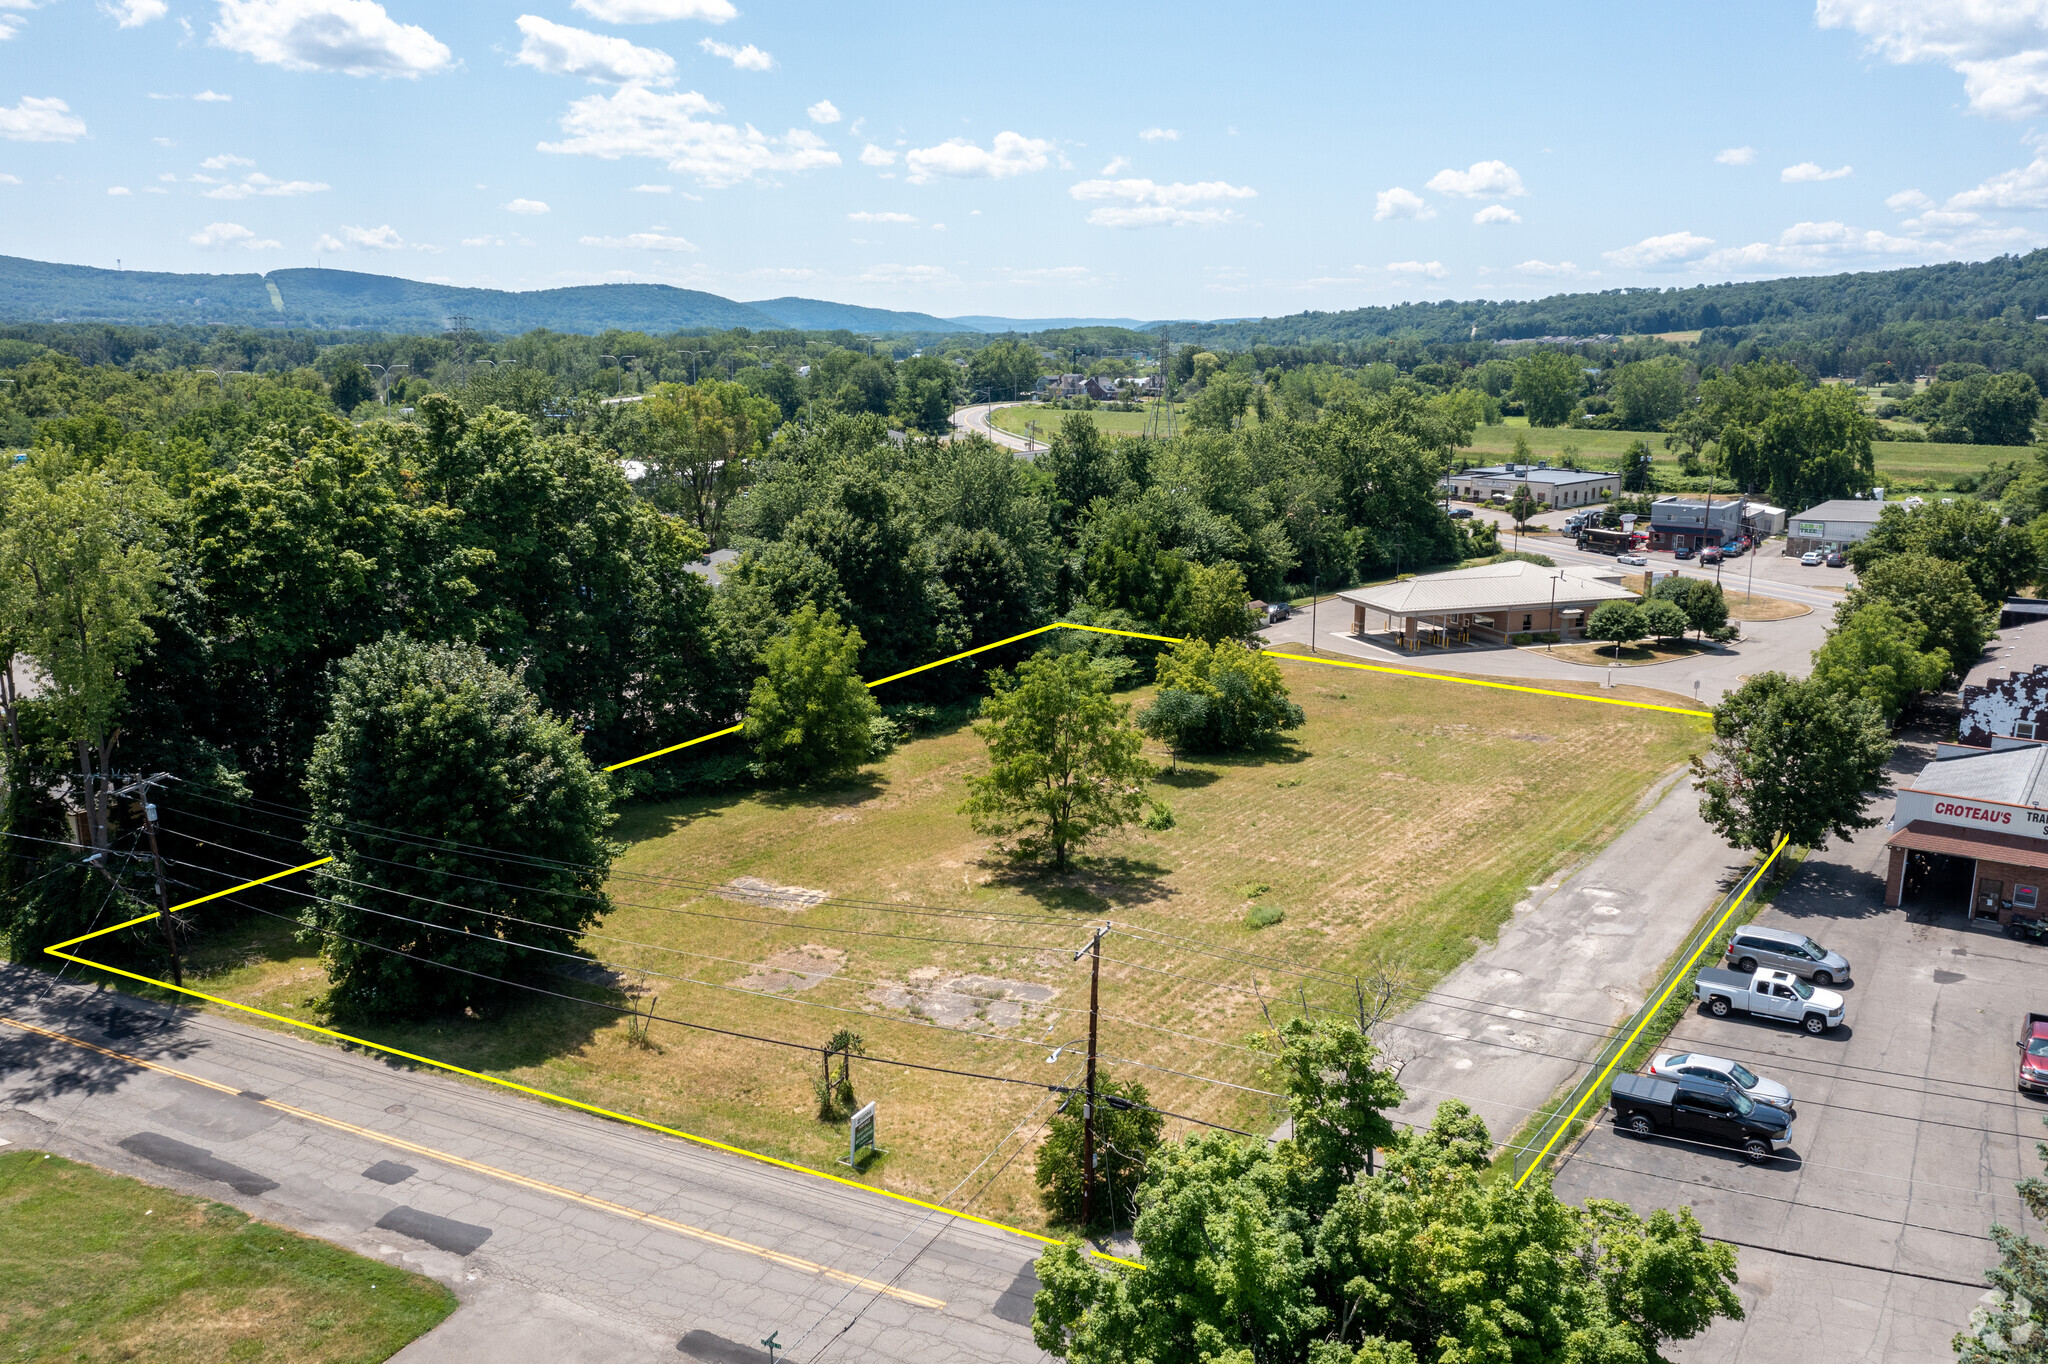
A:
[2023, 730]
[1528, 623]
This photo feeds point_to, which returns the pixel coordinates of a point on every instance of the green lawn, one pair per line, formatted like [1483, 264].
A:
[99, 1267]
[1015, 419]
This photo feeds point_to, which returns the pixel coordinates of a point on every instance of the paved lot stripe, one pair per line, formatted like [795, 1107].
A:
[505, 1176]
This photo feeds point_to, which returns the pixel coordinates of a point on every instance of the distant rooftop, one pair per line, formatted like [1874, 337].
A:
[2017, 649]
[1843, 509]
[1490, 587]
[1548, 474]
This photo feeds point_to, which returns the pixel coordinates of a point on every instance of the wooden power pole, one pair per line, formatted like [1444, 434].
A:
[1094, 953]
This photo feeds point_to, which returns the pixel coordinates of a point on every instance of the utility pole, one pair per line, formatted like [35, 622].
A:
[169, 925]
[1094, 953]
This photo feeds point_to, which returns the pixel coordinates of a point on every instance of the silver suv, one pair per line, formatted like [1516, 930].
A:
[1773, 949]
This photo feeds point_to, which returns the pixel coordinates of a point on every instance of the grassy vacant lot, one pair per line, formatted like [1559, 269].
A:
[1013, 419]
[95, 1266]
[1896, 460]
[1399, 826]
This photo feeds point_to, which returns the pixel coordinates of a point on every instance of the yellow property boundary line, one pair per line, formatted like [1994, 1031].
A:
[1682, 973]
[1175, 639]
[59, 951]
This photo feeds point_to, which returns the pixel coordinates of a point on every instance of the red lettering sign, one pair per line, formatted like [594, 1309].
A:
[1972, 812]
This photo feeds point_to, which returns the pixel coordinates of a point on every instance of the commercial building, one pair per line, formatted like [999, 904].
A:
[1975, 818]
[2005, 693]
[1558, 487]
[1760, 521]
[1831, 525]
[1487, 604]
[1694, 523]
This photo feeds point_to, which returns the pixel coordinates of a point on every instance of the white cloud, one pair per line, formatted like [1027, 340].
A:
[2024, 187]
[1496, 213]
[10, 179]
[326, 241]
[1116, 165]
[871, 155]
[1143, 203]
[213, 97]
[938, 227]
[10, 24]
[1161, 135]
[1806, 173]
[1735, 156]
[667, 127]
[651, 189]
[957, 158]
[354, 37]
[222, 236]
[1998, 47]
[1433, 269]
[1941, 220]
[135, 13]
[824, 111]
[560, 50]
[747, 58]
[383, 238]
[529, 207]
[1484, 180]
[40, 120]
[1562, 269]
[880, 218]
[119, 191]
[640, 241]
[485, 240]
[1908, 198]
[657, 11]
[264, 185]
[224, 161]
[1400, 203]
[1671, 248]
[1811, 246]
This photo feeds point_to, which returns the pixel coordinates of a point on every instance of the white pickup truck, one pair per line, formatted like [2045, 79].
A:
[1769, 994]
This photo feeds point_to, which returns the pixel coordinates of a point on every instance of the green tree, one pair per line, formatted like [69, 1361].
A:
[1221, 404]
[1218, 697]
[925, 391]
[437, 740]
[1338, 1095]
[1701, 599]
[1004, 370]
[1648, 394]
[80, 556]
[1617, 623]
[1064, 760]
[1969, 534]
[1127, 1132]
[1664, 619]
[350, 387]
[1935, 592]
[698, 442]
[1791, 758]
[1548, 383]
[1522, 506]
[810, 718]
[1638, 468]
[1805, 445]
[1211, 603]
[2010, 1323]
[1126, 570]
[1876, 654]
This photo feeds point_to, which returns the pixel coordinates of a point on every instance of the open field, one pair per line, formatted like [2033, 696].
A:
[95, 1266]
[1399, 827]
[1015, 419]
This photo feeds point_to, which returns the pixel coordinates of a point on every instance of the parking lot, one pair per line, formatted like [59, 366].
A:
[1868, 1238]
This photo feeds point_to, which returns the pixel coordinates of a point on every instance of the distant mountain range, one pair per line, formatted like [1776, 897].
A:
[40, 291]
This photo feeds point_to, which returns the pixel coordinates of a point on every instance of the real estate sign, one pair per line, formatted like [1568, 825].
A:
[860, 1139]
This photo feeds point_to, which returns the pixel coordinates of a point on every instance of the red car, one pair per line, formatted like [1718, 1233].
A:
[2033, 1045]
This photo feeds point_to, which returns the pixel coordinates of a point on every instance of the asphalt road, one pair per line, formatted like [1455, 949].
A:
[976, 419]
[1868, 1240]
[568, 1238]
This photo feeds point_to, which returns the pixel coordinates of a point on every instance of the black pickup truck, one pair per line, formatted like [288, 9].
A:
[1698, 1109]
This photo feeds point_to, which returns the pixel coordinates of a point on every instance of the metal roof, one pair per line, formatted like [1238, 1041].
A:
[1490, 587]
[1843, 509]
[1530, 472]
[2006, 776]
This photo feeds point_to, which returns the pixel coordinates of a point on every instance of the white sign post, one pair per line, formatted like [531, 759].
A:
[860, 1136]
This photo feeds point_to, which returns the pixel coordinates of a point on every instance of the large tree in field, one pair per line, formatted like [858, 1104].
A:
[810, 717]
[1064, 760]
[1218, 697]
[1791, 758]
[1803, 445]
[438, 741]
[79, 552]
[1299, 1252]
[1548, 384]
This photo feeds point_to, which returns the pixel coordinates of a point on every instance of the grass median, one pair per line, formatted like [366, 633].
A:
[96, 1266]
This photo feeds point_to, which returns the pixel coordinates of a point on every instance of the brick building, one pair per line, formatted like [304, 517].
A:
[1977, 817]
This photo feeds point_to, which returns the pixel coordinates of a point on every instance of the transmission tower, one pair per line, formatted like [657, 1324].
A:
[1159, 421]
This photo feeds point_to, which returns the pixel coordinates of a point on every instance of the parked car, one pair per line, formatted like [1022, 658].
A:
[1460, 513]
[1710, 555]
[1813, 558]
[1835, 559]
[1682, 552]
[2033, 1045]
[1701, 1110]
[1777, 995]
[1774, 949]
[1632, 559]
[1678, 1065]
[1278, 611]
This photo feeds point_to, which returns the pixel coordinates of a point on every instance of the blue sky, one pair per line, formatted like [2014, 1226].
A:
[1199, 161]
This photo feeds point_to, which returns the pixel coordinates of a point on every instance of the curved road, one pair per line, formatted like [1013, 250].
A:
[976, 419]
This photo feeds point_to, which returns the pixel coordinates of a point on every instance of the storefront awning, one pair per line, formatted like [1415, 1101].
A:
[1924, 835]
